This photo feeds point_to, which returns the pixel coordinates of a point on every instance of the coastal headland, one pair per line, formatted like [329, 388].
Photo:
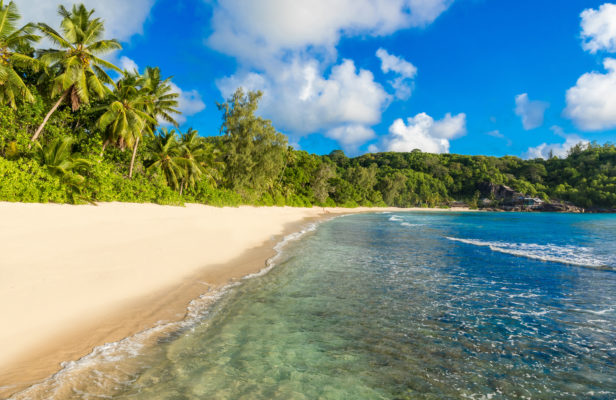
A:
[76, 277]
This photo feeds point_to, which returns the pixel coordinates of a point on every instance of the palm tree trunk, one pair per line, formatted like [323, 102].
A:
[132, 160]
[105, 143]
[53, 109]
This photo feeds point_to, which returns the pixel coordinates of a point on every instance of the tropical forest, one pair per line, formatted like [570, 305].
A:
[75, 128]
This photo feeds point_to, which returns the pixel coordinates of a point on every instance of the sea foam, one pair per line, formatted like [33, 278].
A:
[99, 366]
[571, 255]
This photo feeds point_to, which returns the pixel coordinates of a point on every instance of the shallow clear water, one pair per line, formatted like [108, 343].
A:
[408, 305]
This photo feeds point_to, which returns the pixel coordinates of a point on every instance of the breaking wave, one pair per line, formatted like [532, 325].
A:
[99, 372]
[570, 255]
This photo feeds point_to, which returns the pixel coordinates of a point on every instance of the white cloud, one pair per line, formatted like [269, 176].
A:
[599, 28]
[404, 69]
[450, 127]
[591, 103]
[351, 136]
[252, 30]
[424, 133]
[190, 103]
[497, 134]
[127, 64]
[560, 150]
[531, 112]
[123, 18]
[301, 100]
[287, 49]
[391, 63]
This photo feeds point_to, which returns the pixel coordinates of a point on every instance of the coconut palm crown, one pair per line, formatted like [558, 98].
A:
[125, 117]
[161, 102]
[163, 99]
[76, 65]
[12, 40]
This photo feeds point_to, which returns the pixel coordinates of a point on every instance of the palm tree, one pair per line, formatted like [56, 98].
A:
[60, 161]
[11, 40]
[124, 117]
[164, 153]
[191, 151]
[79, 70]
[162, 103]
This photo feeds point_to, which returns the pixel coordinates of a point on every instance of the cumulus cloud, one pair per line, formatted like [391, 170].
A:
[301, 100]
[127, 64]
[251, 30]
[123, 19]
[288, 50]
[591, 103]
[560, 150]
[531, 112]
[350, 136]
[424, 133]
[599, 28]
[404, 70]
[190, 103]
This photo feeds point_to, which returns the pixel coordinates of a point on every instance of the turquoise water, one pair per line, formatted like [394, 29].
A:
[397, 306]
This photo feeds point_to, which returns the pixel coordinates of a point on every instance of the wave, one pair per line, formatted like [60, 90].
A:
[408, 224]
[570, 255]
[395, 218]
[99, 368]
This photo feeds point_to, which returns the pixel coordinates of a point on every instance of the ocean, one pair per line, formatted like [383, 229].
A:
[389, 306]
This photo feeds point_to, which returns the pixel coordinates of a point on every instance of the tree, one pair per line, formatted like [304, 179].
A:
[161, 103]
[254, 152]
[11, 41]
[75, 66]
[60, 161]
[319, 183]
[391, 186]
[125, 115]
[191, 151]
[164, 153]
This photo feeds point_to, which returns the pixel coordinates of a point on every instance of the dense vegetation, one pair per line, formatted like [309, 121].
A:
[71, 133]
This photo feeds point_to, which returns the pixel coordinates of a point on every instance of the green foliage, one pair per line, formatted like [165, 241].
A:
[24, 180]
[250, 163]
[12, 40]
[253, 151]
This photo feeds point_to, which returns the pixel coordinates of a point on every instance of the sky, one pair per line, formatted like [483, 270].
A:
[527, 78]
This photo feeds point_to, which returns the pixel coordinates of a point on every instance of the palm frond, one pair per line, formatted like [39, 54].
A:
[54, 36]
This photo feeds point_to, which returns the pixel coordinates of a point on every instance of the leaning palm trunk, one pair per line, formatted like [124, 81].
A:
[49, 114]
[132, 160]
[105, 143]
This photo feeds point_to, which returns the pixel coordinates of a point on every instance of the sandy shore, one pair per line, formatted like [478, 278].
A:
[75, 277]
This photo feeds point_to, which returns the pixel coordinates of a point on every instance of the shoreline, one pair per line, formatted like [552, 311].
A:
[124, 314]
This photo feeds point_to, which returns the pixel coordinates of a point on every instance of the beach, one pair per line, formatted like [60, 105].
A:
[75, 277]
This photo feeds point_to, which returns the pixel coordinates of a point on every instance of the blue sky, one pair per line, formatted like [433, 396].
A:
[494, 77]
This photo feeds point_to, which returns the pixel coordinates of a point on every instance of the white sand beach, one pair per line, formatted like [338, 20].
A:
[74, 277]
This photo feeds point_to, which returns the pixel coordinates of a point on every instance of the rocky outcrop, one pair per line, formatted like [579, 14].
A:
[560, 207]
[507, 199]
[501, 192]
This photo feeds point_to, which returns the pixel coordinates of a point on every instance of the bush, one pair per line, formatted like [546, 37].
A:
[26, 181]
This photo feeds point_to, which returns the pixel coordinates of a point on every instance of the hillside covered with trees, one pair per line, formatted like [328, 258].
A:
[69, 132]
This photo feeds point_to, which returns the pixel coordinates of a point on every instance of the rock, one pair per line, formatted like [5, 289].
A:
[560, 207]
